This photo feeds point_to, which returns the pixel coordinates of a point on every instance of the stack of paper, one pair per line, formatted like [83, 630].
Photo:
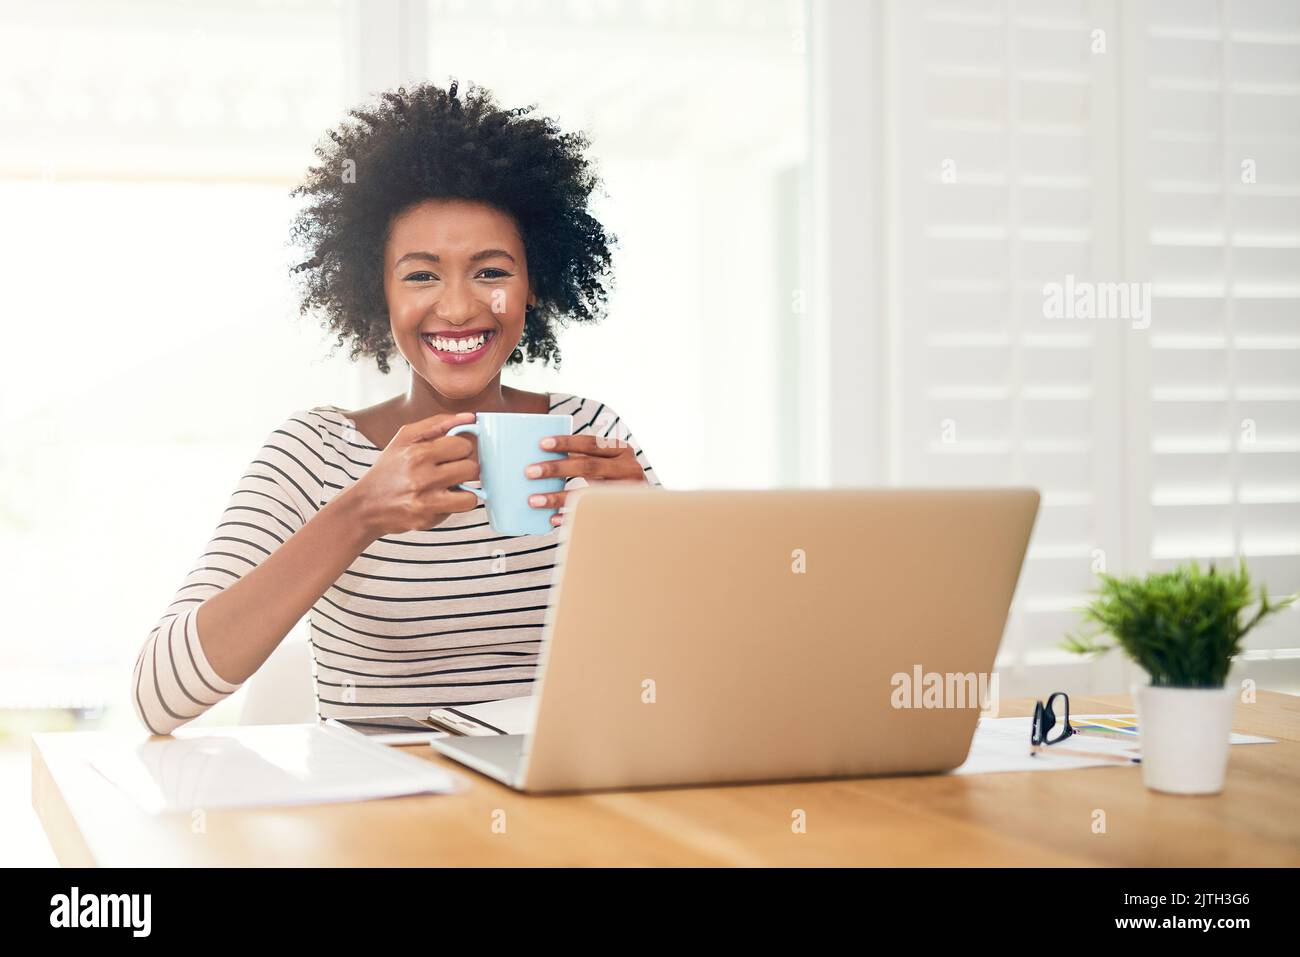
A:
[266, 765]
[1002, 744]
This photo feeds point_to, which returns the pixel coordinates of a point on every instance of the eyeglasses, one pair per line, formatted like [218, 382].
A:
[1045, 720]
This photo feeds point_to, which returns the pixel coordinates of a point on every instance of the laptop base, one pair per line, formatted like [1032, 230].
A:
[499, 756]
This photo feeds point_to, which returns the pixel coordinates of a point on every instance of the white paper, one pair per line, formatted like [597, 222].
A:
[264, 765]
[1002, 744]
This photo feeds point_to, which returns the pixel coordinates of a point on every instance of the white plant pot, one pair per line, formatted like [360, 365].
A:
[1184, 735]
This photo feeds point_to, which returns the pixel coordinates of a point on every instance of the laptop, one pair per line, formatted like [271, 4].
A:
[721, 637]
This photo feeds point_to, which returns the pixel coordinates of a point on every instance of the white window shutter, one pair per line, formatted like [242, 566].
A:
[1212, 172]
[1031, 142]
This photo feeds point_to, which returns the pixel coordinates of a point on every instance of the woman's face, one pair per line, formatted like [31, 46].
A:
[456, 282]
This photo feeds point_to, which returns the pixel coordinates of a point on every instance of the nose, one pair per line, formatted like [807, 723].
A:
[455, 303]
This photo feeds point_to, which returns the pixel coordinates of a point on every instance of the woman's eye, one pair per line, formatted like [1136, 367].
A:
[500, 273]
[420, 277]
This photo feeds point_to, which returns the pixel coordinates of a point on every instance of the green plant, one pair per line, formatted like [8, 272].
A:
[1183, 627]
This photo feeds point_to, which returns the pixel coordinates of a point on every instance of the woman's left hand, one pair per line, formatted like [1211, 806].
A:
[592, 457]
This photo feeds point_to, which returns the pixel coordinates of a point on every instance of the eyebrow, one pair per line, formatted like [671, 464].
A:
[477, 257]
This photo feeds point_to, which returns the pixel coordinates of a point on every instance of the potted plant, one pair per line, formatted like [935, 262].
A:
[1183, 628]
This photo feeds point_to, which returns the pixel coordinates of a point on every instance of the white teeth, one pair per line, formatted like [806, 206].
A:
[458, 345]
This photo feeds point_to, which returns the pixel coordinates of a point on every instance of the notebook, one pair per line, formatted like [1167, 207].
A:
[508, 716]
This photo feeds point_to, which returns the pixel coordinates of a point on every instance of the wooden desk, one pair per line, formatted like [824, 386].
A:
[995, 819]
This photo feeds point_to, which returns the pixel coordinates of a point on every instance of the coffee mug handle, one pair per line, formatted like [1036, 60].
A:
[469, 427]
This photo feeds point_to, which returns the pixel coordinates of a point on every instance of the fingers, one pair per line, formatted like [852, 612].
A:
[435, 426]
[550, 500]
[547, 499]
[586, 444]
[458, 501]
[448, 448]
[448, 473]
[586, 466]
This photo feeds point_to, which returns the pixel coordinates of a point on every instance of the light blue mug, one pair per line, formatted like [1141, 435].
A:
[508, 442]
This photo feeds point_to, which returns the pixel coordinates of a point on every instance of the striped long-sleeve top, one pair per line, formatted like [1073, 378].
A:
[445, 616]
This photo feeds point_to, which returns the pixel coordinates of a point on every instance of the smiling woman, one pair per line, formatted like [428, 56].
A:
[524, 188]
[491, 280]
[461, 241]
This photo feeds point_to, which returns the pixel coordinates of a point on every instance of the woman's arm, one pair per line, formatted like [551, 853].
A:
[275, 553]
[241, 625]
[203, 653]
[181, 672]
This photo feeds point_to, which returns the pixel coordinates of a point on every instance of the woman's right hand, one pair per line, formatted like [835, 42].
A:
[411, 486]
